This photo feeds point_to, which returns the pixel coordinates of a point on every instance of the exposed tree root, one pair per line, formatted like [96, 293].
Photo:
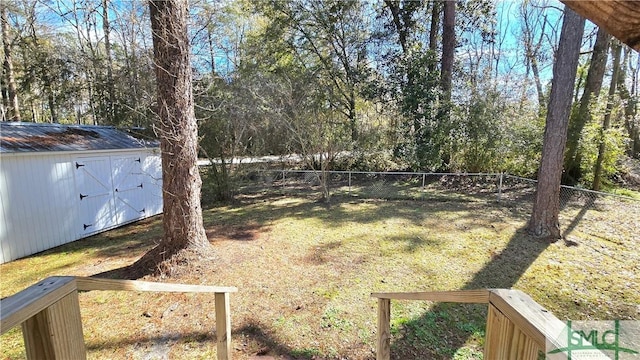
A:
[160, 262]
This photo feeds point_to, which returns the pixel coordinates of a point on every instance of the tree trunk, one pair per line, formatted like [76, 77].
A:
[630, 102]
[448, 48]
[111, 105]
[433, 32]
[51, 98]
[546, 206]
[446, 71]
[353, 119]
[4, 105]
[582, 115]
[13, 108]
[530, 21]
[182, 217]
[89, 76]
[402, 29]
[212, 54]
[536, 77]
[635, 148]
[4, 91]
[606, 123]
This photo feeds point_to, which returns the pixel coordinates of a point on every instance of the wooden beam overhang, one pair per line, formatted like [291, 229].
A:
[620, 18]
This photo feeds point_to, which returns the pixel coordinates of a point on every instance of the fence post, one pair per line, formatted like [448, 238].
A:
[56, 332]
[383, 344]
[223, 326]
[349, 182]
[500, 187]
[283, 172]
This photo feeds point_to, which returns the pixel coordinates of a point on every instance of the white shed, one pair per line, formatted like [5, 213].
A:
[61, 183]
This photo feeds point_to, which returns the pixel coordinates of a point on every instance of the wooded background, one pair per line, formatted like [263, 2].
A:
[420, 85]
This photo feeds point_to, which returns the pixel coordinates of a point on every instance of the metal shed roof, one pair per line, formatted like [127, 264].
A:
[20, 137]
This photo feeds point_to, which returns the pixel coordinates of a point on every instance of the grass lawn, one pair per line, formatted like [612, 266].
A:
[305, 270]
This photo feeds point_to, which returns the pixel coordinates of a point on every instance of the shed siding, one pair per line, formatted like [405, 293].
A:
[5, 249]
[152, 179]
[30, 205]
[40, 205]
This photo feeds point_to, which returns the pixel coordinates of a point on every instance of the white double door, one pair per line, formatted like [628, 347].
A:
[110, 191]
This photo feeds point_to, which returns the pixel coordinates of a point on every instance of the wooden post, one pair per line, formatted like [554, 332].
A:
[223, 326]
[383, 351]
[498, 335]
[283, 179]
[517, 327]
[56, 331]
[505, 340]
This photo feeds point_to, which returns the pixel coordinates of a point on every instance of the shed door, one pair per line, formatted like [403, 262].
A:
[128, 188]
[95, 194]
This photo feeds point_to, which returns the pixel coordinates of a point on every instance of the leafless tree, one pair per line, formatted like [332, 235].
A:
[9, 93]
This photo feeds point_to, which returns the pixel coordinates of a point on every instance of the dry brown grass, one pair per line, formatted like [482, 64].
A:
[305, 270]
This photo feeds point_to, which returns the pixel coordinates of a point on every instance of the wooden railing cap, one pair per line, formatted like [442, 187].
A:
[28, 302]
[458, 296]
[90, 283]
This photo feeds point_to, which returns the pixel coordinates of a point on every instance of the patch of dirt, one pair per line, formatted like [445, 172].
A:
[246, 232]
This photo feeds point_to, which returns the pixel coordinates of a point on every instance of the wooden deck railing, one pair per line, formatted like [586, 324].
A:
[517, 327]
[49, 312]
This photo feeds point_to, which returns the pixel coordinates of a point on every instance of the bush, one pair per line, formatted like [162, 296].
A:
[367, 161]
[614, 149]
[217, 184]
[523, 145]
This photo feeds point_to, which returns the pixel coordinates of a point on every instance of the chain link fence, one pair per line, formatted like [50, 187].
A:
[595, 211]
[377, 185]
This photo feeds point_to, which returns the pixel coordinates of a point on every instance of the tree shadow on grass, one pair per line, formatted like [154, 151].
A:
[589, 204]
[445, 328]
[257, 339]
[251, 214]
[242, 222]
[341, 211]
[151, 345]
[443, 331]
[252, 338]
